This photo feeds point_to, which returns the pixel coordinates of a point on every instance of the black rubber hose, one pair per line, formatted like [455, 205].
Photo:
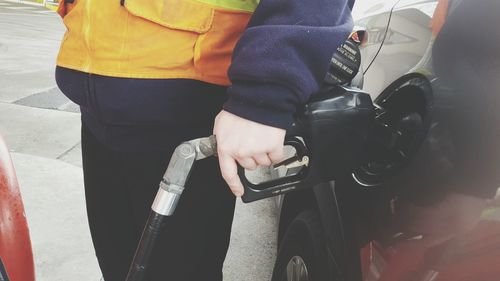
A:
[152, 230]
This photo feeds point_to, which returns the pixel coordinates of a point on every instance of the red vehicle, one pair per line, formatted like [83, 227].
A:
[16, 256]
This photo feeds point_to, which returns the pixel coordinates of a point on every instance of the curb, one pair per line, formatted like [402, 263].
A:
[49, 4]
[51, 7]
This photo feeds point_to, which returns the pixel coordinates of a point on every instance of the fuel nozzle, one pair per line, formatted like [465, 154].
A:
[178, 171]
[171, 187]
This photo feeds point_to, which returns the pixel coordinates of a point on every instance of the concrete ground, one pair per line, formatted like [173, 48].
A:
[41, 128]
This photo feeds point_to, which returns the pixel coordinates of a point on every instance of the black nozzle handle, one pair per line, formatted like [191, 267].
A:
[254, 192]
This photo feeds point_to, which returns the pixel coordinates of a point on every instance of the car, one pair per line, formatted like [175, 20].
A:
[16, 255]
[420, 202]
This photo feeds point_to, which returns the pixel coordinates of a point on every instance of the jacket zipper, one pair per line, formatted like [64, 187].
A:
[86, 35]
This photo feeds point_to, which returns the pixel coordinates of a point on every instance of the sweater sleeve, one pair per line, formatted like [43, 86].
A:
[283, 56]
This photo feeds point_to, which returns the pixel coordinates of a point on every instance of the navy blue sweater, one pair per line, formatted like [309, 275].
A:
[283, 57]
[279, 62]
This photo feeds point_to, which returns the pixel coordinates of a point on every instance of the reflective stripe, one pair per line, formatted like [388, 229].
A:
[238, 5]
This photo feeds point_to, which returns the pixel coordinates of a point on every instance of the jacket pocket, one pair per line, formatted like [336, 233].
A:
[184, 15]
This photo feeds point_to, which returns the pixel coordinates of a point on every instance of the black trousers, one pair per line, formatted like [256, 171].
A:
[120, 187]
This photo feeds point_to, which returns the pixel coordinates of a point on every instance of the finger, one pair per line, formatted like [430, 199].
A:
[248, 163]
[229, 171]
[276, 155]
[262, 160]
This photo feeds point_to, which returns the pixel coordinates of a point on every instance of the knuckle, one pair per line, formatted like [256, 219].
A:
[245, 164]
[233, 185]
[227, 175]
[275, 154]
[251, 167]
[240, 153]
[224, 149]
[278, 149]
[264, 161]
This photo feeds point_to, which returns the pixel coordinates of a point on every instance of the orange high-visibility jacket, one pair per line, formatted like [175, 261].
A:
[191, 39]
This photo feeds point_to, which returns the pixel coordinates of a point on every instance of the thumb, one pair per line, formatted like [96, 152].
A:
[229, 170]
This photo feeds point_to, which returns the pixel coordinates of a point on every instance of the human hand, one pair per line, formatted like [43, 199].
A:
[246, 142]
